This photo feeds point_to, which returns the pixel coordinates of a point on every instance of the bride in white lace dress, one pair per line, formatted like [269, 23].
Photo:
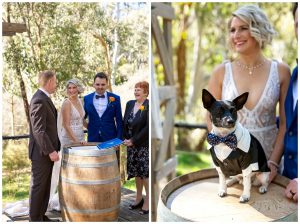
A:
[70, 130]
[265, 80]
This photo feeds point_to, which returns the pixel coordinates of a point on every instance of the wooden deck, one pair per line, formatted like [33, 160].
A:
[125, 215]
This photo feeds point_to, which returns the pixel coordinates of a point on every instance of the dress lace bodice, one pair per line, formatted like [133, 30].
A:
[261, 120]
[76, 124]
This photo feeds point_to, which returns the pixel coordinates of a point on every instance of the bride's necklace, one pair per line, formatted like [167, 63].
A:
[249, 68]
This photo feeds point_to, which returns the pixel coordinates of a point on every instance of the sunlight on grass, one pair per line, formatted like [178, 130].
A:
[130, 184]
[15, 187]
[192, 161]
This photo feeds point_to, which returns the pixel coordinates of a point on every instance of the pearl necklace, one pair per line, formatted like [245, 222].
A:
[250, 68]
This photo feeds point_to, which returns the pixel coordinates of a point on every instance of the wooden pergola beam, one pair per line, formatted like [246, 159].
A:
[10, 29]
[164, 10]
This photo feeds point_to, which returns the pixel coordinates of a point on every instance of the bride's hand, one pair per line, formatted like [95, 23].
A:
[83, 143]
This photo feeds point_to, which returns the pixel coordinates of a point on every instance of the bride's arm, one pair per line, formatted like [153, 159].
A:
[284, 75]
[66, 114]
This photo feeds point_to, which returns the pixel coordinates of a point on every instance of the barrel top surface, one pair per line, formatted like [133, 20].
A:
[87, 150]
[198, 201]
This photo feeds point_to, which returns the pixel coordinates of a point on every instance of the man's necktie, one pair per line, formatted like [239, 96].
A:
[102, 96]
[230, 140]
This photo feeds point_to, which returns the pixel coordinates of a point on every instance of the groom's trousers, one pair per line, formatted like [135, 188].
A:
[41, 172]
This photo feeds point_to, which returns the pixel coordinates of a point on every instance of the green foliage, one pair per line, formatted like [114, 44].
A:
[60, 36]
[190, 162]
[15, 170]
[15, 156]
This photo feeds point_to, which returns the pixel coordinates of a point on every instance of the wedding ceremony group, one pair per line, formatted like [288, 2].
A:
[107, 120]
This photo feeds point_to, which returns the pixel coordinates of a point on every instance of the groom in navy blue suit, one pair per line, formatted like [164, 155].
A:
[103, 110]
[291, 136]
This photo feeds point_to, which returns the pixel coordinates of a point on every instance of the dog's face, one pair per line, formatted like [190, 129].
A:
[223, 114]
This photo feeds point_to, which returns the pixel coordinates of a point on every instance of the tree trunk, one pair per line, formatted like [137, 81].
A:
[181, 66]
[116, 46]
[107, 58]
[12, 116]
[197, 74]
[23, 93]
[16, 60]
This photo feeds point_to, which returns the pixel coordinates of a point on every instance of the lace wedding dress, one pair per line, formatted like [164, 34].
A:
[21, 208]
[76, 124]
[261, 120]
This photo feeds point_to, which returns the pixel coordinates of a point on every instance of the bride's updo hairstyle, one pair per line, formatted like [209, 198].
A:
[260, 28]
[77, 83]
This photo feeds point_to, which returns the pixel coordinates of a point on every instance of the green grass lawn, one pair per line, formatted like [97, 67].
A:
[130, 184]
[15, 186]
[192, 161]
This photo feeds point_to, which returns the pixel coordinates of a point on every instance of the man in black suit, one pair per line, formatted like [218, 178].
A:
[43, 145]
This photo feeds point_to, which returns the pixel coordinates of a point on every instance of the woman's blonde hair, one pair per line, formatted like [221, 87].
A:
[77, 83]
[260, 28]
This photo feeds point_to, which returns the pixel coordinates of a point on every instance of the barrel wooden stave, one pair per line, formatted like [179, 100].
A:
[90, 174]
[90, 188]
[106, 217]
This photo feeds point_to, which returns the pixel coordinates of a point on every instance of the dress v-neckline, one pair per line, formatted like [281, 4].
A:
[81, 115]
[263, 92]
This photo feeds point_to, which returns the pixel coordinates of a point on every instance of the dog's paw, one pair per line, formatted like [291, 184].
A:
[222, 193]
[262, 189]
[244, 198]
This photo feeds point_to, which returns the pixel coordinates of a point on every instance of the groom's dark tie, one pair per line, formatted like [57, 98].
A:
[102, 96]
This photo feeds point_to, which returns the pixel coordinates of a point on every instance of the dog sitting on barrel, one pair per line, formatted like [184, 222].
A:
[235, 152]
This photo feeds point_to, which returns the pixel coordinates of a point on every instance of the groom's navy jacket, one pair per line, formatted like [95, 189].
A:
[291, 135]
[109, 125]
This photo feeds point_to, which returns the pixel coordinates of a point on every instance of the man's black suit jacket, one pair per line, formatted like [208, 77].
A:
[140, 124]
[43, 127]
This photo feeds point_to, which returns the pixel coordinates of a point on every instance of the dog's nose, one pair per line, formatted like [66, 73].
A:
[229, 120]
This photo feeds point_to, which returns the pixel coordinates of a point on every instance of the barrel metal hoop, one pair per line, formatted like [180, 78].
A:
[91, 165]
[89, 153]
[95, 211]
[90, 182]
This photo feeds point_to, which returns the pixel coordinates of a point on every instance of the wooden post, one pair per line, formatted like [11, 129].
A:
[10, 29]
[163, 152]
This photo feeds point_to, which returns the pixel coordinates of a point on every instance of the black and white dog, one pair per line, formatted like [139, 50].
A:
[233, 149]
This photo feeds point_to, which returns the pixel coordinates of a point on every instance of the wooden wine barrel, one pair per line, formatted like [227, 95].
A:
[193, 197]
[89, 186]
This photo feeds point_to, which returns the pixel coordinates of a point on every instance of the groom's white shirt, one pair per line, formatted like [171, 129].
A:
[100, 104]
[44, 91]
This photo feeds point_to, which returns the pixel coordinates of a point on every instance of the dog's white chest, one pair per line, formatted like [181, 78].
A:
[222, 151]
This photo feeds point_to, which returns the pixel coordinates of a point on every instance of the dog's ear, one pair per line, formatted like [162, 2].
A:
[240, 101]
[207, 99]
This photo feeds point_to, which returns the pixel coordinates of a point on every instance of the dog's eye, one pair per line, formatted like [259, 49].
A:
[232, 110]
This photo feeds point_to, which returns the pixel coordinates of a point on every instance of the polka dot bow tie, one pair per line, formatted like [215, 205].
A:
[230, 140]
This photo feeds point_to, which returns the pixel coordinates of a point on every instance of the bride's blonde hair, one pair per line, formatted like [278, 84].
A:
[77, 83]
[260, 27]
